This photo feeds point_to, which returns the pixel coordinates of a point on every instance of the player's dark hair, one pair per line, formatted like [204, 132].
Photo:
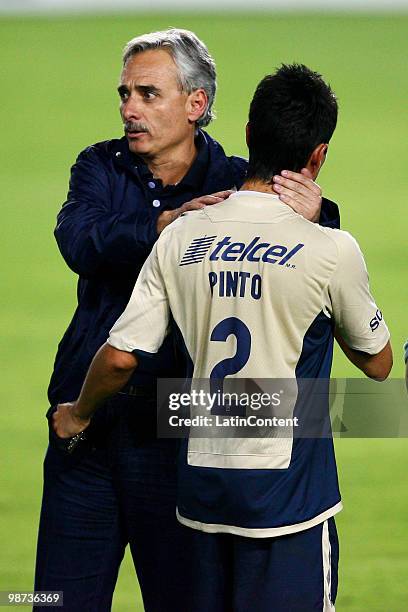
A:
[291, 113]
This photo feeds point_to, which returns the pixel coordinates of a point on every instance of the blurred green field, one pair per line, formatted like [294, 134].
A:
[58, 96]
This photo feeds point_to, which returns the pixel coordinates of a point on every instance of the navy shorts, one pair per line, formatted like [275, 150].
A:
[291, 573]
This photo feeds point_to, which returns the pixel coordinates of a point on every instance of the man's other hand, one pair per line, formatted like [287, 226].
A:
[300, 192]
[168, 216]
[65, 423]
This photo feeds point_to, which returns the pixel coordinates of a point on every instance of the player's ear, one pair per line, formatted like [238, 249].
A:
[317, 159]
[196, 105]
[247, 133]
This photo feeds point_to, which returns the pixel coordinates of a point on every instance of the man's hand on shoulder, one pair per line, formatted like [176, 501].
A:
[300, 192]
[168, 216]
[66, 423]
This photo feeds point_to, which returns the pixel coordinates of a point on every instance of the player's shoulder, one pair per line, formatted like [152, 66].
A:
[345, 243]
[185, 226]
[189, 228]
[186, 221]
[342, 238]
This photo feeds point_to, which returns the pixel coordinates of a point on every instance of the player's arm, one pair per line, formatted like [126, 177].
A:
[360, 327]
[109, 371]
[142, 327]
[374, 366]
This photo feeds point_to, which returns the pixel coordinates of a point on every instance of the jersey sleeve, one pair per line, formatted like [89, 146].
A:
[357, 316]
[145, 322]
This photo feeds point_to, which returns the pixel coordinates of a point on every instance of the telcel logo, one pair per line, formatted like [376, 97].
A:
[254, 251]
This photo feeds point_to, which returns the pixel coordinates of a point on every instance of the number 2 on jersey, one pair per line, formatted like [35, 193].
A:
[230, 365]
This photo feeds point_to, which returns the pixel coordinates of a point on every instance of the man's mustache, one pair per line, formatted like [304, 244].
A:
[135, 126]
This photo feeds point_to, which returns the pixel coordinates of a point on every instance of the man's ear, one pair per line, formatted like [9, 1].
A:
[196, 105]
[317, 159]
[247, 134]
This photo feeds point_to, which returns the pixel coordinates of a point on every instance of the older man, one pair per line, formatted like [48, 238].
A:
[119, 485]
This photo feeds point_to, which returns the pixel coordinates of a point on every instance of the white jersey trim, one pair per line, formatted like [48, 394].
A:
[267, 532]
[275, 461]
[328, 605]
[261, 194]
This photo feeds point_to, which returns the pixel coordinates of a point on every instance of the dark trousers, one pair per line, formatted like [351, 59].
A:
[117, 489]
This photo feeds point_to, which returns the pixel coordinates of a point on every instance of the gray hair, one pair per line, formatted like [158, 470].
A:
[196, 67]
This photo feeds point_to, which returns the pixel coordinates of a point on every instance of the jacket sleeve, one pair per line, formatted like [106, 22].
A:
[91, 236]
[329, 214]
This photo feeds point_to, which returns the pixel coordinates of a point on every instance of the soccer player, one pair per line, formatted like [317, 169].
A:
[256, 291]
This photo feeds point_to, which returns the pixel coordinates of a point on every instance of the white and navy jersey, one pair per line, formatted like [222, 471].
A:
[255, 290]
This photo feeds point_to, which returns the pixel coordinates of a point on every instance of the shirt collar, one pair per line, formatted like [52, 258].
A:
[198, 171]
[259, 194]
[195, 175]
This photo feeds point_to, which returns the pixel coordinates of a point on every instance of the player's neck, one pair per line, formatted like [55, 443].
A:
[257, 185]
[171, 166]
